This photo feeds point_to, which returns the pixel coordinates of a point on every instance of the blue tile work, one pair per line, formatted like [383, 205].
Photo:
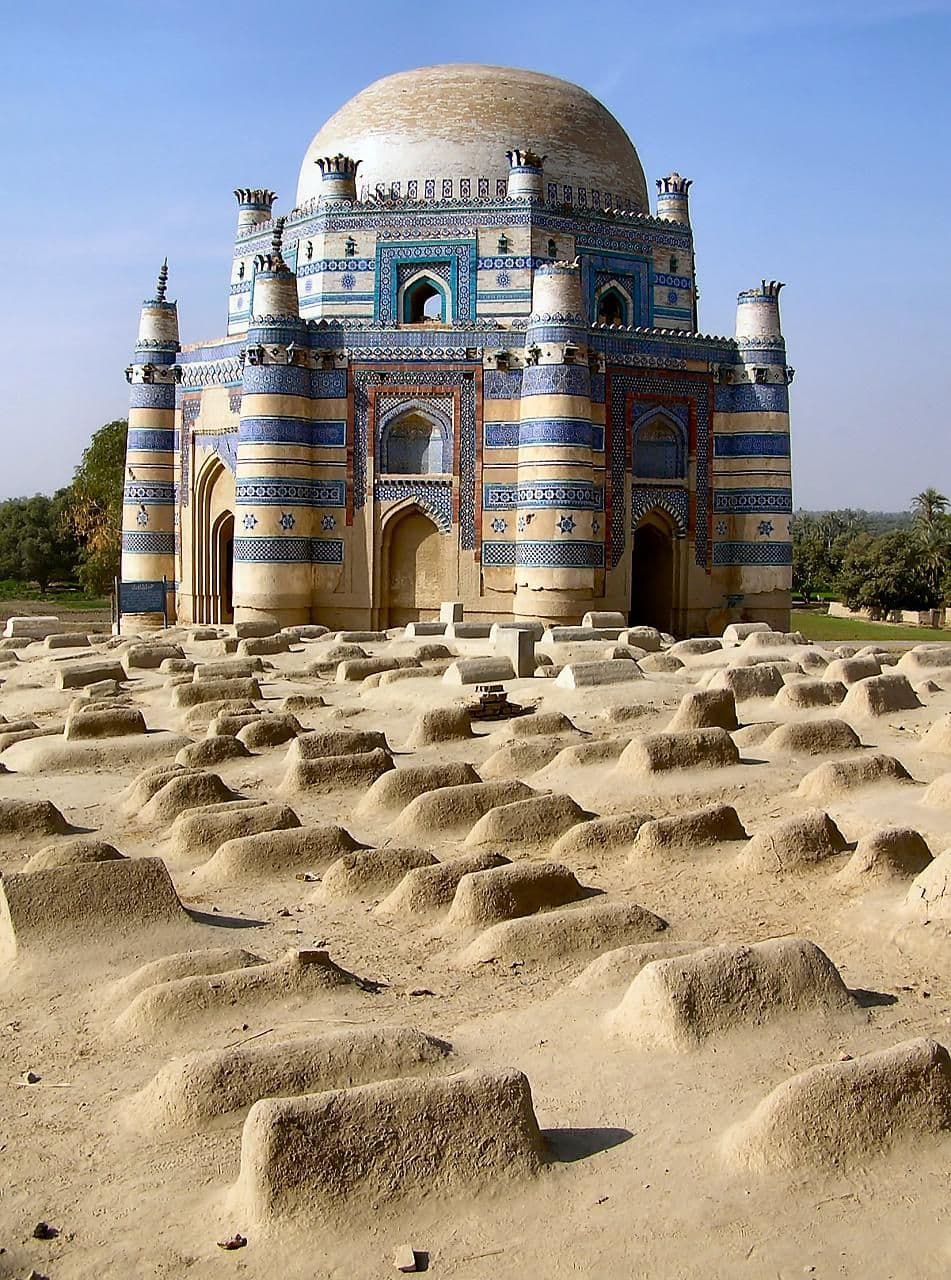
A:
[150, 440]
[273, 550]
[277, 379]
[753, 501]
[329, 384]
[148, 544]
[676, 502]
[294, 431]
[499, 384]
[326, 550]
[434, 496]
[752, 397]
[567, 554]
[431, 411]
[411, 380]
[556, 380]
[694, 388]
[752, 553]
[460, 255]
[540, 493]
[152, 395]
[226, 447]
[752, 444]
[159, 495]
[576, 432]
[277, 491]
[633, 273]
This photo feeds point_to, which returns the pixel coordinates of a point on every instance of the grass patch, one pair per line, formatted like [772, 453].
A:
[62, 597]
[819, 626]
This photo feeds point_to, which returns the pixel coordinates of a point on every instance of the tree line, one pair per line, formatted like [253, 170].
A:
[877, 561]
[75, 536]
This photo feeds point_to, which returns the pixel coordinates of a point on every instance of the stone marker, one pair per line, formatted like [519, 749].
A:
[451, 611]
[517, 647]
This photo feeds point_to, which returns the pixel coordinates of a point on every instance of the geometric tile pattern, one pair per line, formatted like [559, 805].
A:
[752, 553]
[753, 501]
[752, 444]
[579, 495]
[676, 503]
[433, 495]
[148, 544]
[660, 387]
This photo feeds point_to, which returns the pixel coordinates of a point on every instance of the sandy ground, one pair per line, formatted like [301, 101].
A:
[635, 1185]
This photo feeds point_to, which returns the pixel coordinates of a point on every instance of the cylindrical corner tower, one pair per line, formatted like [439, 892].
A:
[273, 578]
[254, 206]
[526, 174]
[559, 550]
[757, 311]
[338, 177]
[148, 529]
[672, 201]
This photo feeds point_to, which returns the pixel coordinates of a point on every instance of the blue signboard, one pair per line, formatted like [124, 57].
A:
[142, 597]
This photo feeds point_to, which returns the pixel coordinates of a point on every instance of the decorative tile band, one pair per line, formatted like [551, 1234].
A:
[752, 553]
[577, 496]
[272, 550]
[543, 555]
[577, 433]
[753, 501]
[158, 495]
[556, 380]
[150, 440]
[752, 397]
[148, 544]
[149, 395]
[292, 431]
[752, 444]
[276, 491]
[278, 379]
[502, 384]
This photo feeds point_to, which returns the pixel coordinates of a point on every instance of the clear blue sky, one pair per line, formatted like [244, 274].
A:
[816, 132]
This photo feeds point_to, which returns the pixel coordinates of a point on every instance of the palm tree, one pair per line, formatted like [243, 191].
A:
[928, 506]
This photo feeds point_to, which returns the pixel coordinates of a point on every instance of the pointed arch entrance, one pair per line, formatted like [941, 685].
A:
[411, 568]
[213, 543]
[654, 565]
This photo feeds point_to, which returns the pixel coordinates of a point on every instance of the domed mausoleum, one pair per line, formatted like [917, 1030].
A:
[465, 366]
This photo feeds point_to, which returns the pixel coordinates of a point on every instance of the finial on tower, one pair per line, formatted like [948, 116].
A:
[162, 281]
[277, 238]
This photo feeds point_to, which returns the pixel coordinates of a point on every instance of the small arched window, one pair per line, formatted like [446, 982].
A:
[658, 452]
[423, 300]
[413, 446]
[612, 308]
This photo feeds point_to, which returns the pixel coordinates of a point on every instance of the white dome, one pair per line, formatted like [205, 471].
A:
[456, 121]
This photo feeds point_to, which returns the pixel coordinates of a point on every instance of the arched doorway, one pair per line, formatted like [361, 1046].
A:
[212, 543]
[223, 566]
[412, 569]
[652, 574]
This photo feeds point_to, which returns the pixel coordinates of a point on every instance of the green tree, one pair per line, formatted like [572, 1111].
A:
[95, 506]
[887, 573]
[929, 506]
[35, 544]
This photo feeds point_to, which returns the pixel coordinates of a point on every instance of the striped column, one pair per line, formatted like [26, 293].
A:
[148, 531]
[559, 551]
[274, 506]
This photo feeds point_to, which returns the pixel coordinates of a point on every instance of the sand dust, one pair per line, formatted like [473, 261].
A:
[601, 990]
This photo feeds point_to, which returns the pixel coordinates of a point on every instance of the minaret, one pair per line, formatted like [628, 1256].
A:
[273, 576]
[338, 178]
[672, 200]
[559, 552]
[148, 531]
[526, 174]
